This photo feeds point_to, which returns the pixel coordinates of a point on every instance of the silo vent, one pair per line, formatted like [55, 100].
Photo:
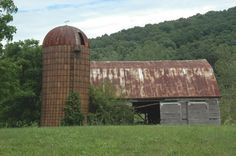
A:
[81, 38]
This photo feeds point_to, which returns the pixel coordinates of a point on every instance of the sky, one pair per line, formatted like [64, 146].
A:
[98, 17]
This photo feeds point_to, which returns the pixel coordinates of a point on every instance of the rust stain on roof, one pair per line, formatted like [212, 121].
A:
[157, 79]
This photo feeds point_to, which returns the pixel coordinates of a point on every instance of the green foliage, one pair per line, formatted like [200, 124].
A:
[7, 8]
[225, 67]
[106, 108]
[8, 79]
[20, 77]
[73, 115]
[120, 141]
[196, 37]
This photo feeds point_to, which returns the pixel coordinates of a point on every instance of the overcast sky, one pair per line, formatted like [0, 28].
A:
[97, 17]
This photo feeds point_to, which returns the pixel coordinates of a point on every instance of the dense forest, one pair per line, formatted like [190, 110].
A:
[211, 36]
[200, 36]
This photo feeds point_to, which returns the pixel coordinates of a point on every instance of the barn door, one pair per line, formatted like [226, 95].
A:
[170, 113]
[198, 113]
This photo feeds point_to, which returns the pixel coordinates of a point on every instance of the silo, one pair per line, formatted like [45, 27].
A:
[65, 68]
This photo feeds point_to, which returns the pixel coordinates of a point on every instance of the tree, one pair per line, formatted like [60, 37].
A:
[20, 80]
[7, 8]
[8, 79]
[225, 67]
[10, 88]
[73, 115]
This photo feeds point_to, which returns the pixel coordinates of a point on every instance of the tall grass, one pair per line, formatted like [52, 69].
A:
[120, 140]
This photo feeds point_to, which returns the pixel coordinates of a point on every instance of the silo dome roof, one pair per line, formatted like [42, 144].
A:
[65, 35]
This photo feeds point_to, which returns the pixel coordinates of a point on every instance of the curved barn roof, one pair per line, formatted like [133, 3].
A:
[157, 79]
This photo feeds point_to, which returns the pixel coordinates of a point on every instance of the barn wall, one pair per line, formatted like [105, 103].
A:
[185, 111]
[214, 112]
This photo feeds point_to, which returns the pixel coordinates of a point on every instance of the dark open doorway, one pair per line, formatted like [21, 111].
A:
[150, 112]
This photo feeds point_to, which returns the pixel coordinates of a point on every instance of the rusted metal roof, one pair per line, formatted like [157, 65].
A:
[157, 79]
[65, 35]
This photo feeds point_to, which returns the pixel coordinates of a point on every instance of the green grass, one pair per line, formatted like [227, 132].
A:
[120, 140]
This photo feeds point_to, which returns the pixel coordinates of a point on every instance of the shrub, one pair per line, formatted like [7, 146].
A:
[73, 115]
[106, 108]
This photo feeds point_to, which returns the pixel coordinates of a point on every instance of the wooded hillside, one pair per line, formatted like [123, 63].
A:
[200, 36]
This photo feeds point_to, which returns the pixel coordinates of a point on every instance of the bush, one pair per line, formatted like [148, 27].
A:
[73, 115]
[106, 108]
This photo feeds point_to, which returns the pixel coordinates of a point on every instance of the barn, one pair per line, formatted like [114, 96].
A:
[164, 92]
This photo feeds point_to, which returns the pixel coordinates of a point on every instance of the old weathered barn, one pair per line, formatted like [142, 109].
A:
[179, 92]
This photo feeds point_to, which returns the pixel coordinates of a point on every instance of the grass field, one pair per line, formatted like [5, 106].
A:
[120, 140]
